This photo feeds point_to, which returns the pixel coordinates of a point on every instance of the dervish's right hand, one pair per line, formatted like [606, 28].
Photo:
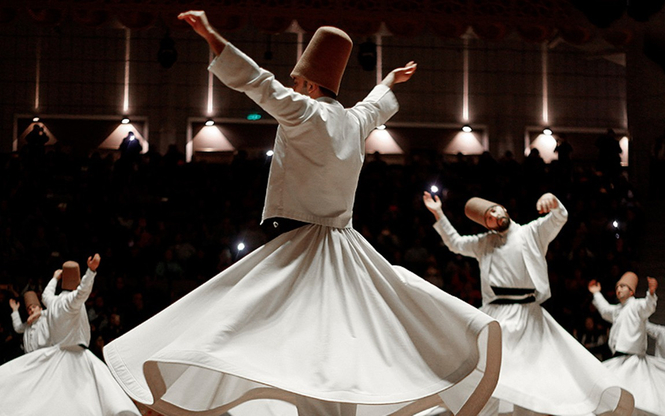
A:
[594, 286]
[433, 204]
[198, 20]
[93, 262]
[653, 285]
[405, 73]
[14, 304]
[57, 274]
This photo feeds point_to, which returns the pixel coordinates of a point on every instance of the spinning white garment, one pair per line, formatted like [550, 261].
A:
[644, 376]
[315, 313]
[546, 370]
[55, 381]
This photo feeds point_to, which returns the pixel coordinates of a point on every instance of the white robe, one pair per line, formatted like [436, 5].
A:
[641, 374]
[35, 335]
[316, 317]
[64, 379]
[657, 332]
[544, 369]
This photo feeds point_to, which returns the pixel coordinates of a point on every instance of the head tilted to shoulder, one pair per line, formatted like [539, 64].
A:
[324, 60]
[71, 275]
[626, 286]
[31, 301]
[489, 214]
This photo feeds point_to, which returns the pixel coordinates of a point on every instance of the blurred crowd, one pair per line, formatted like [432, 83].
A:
[163, 226]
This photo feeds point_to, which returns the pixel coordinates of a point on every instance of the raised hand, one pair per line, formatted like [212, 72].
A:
[653, 285]
[14, 304]
[405, 73]
[198, 20]
[93, 262]
[546, 203]
[594, 286]
[433, 204]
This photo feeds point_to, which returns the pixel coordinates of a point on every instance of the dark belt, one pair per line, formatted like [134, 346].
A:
[620, 354]
[276, 226]
[513, 295]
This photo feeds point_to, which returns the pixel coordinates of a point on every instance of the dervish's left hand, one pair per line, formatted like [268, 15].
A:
[32, 318]
[653, 285]
[547, 203]
[399, 75]
[405, 73]
[93, 262]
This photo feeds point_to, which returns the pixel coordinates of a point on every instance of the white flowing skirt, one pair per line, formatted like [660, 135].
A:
[644, 376]
[54, 381]
[544, 369]
[314, 313]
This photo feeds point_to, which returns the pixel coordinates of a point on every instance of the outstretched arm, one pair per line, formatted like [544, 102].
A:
[399, 75]
[19, 326]
[433, 205]
[604, 308]
[49, 291]
[198, 20]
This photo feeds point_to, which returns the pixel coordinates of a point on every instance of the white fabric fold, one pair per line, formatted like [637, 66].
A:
[318, 313]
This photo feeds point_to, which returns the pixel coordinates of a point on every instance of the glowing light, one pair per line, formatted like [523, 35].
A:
[125, 102]
[241, 246]
[210, 84]
[38, 66]
[547, 131]
[546, 111]
[210, 122]
[381, 141]
[434, 189]
[254, 116]
[466, 128]
[35, 119]
[615, 224]
[624, 142]
[381, 127]
[125, 120]
[465, 83]
[269, 153]
[379, 58]
[465, 143]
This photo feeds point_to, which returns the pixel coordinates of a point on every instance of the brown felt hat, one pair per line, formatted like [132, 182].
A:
[629, 279]
[476, 208]
[30, 298]
[325, 58]
[71, 275]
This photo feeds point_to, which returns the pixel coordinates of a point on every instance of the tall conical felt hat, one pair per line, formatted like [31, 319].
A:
[30, 298]
[629, 279]
[71, 275]
[325, 58]
[476, 208]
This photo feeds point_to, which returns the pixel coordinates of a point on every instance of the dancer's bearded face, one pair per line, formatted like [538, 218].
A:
[497, 218]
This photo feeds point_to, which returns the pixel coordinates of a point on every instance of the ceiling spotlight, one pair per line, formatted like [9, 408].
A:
[125, 120]
[381, 127]
[269, 153]
[466, 128]
[35, 119]
[210, 122]
[547, 131]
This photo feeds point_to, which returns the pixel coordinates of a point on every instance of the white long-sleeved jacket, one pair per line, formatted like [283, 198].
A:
[628, 333]
[320, 145]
